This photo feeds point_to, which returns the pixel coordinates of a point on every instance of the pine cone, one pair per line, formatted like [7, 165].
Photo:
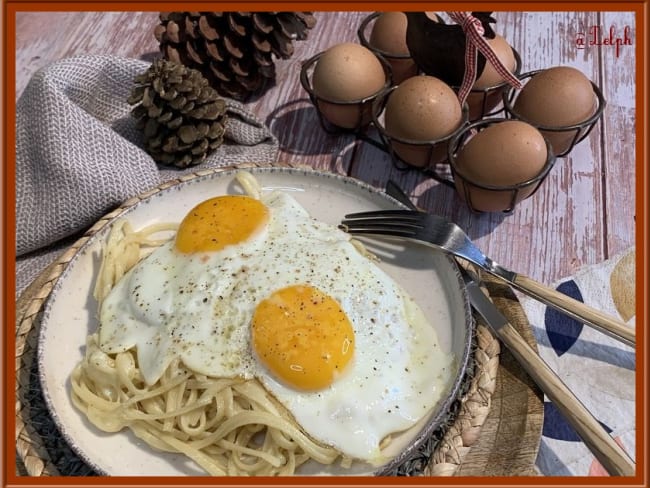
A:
[182, 116]
[234, 50]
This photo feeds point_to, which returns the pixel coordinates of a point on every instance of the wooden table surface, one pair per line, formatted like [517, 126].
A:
[583, 213]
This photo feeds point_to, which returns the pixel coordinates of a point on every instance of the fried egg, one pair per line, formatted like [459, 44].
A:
[256, 288]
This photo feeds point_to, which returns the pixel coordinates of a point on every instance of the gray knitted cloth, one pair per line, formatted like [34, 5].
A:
[79, 154]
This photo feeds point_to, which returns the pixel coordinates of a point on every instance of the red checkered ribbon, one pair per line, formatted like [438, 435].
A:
[474, 40]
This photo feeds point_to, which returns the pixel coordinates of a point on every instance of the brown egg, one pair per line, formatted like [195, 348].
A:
[389, 33]
[421, 109]
[555, 98]
[347, 72]
[388, 36]
[489, 97]
[433, 16]
[502, 155]
[490, 76]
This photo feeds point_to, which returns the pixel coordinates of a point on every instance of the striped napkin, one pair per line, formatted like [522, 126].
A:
[598, 369]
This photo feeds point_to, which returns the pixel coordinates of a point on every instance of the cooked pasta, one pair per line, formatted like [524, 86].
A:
[256, 340]
[227, 426]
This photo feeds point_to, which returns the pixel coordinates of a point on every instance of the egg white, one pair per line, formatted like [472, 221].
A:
[198, 307]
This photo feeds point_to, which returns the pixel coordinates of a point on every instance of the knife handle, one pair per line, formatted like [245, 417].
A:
[612, 456]
[573, 308]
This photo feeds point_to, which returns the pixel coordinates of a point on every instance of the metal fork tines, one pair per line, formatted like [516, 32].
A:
[428, 228]
[449, 237]
[399, 223]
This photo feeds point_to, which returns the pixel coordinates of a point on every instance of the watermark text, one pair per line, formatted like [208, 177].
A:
[597, 36]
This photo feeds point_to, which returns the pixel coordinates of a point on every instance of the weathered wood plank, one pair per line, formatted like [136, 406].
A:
[583, 212]
[288, 110]
[45, 37]
[618, 134]
[545, 236]
[559, 228]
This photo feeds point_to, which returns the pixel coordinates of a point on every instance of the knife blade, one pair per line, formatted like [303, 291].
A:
[612, 456]
[395, 191]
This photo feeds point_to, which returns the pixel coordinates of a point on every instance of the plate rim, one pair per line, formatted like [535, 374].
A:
[63, 264]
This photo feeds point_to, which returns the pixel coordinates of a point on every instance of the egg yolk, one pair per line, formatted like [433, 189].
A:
[220, 222]
[303, 336]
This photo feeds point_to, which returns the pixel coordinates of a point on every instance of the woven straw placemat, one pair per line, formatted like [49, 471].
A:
[495, 393]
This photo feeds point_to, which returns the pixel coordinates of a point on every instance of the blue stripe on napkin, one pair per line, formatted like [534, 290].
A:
[556, 427]
[563, 331]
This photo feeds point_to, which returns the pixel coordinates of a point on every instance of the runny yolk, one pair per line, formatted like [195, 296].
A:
[303, 336]
[219, 222]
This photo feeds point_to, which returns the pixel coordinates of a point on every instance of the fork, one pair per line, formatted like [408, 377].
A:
[449, 237]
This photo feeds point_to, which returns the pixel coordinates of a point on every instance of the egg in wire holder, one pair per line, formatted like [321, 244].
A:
[580, 130]
[471, 190]
[484, 102]
[436, 160]
[364, 109]
[402, 64]
[359, 110]
[427, 156]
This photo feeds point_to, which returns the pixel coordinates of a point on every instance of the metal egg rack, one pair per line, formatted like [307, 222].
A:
[436, 157]
[576, 132]
[471, 190]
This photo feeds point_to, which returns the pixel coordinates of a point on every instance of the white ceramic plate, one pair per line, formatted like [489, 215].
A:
[70, 313]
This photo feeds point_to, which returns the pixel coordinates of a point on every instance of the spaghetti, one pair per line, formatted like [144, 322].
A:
[228, 426]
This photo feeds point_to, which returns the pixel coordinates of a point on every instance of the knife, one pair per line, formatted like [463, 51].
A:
[612, 456]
